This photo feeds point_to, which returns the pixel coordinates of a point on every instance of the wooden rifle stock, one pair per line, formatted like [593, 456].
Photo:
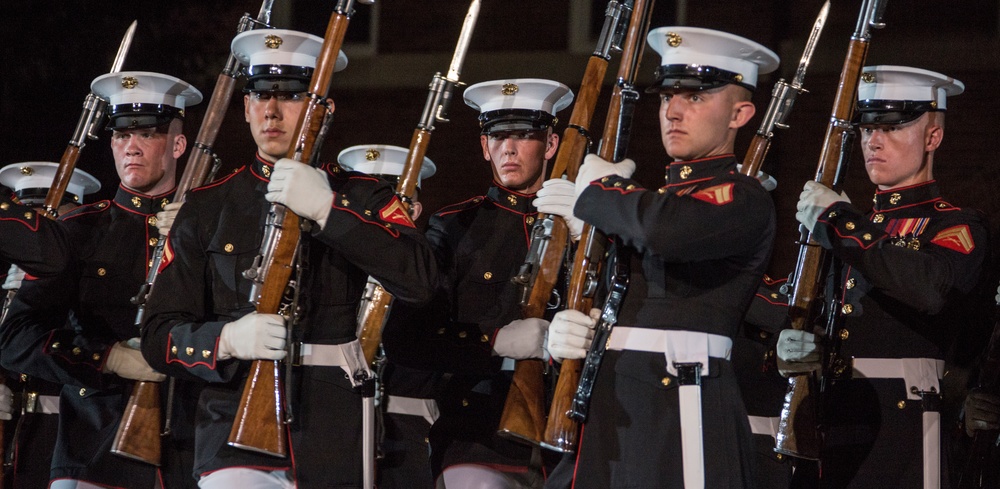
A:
[798, 433]
[561, 432]
[377, 301]
[258, 425]
[140, 429]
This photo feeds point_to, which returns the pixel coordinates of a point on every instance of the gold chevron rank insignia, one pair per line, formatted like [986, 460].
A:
[168, 256]
[956, 238]
[395, 213]
[718, 194]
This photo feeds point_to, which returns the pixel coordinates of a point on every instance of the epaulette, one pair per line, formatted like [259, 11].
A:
[461, 206]
[87, 209]
[220, 181]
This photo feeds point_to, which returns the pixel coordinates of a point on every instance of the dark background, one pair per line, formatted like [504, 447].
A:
[53, 49]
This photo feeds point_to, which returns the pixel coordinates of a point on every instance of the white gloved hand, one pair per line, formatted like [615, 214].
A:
[798, 352]
[557, 197]
[6, 403]
[982, 412]
[814, 199]
[14, 278]
[125, 360]
[253, 337]
[165, 218]
[595, 167]
[571, 334]
[302, 188]
[522, 339]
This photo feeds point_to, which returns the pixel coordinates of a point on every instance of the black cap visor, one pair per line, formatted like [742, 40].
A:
[873, 111]
[278, 78]
[694, 77]
[140, 116]
[515, 120]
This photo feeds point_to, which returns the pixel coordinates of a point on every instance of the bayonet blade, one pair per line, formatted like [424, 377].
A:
[264, 16]
[800, 72]
[455, 68]
[123, 48]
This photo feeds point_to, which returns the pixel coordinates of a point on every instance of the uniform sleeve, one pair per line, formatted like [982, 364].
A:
[370, 227]
[32, 241]
[41, 336]
[728, 217]
[177, 338]
[949, 259]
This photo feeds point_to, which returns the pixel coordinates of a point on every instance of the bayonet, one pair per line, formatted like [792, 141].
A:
[800, 72]
[468, 25]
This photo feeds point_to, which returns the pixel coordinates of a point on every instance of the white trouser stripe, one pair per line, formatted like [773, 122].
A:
[691, 436]
[932, 449]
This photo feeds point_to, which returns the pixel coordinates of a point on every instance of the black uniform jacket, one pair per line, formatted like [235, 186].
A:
[217, 234]
[30, 240]
[60, 328]
[699, 246]
[909, 266]
[480, 244]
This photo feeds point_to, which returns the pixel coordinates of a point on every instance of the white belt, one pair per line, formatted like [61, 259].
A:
[679, 346]
[413, 406]
[921, 373]
[763, 425]
[347, 356]
[37, 404]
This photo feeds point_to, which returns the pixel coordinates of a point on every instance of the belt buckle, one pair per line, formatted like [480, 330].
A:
[295, 353]
[688, 373]
[30, 402]
[930, 401]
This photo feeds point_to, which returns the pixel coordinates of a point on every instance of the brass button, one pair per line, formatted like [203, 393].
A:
[56, 345]
[173, 349]
[345, 202]
[441, 331]
[512, 199]
[665, 381]
[901, 404]
[101, 272]
[866, 236]
[206, 353]
[151, 220]
[877, 218]
[774, 295]
[465, 403]
[368, 212]
[488, 275]
[76, 350]
[895, 198]
[851, 282]
[4, 206]
[153, 241]
[24, 377]
[96, 356]
[189, 351]
[228, 247]
[136, 201]
[763, 335]
[661, 191]
[27, 215]
[462, 334]
[83, 391]
[849, 226]
[630, 187]
[832, 214]
[388, 225]
[484, 338]
[779, 456]
[847, 309]
[266, 170]
[617, 184]
[529, 220]
[844, 334]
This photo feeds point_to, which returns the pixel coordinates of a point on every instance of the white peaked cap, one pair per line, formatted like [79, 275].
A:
[31, 181]
[382, 159]
[681, 46]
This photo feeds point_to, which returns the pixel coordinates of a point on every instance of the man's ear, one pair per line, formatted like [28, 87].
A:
[484, 140]
[933, 137]
[180, 144]
[246, 107]
[743, 111]
[551, 145]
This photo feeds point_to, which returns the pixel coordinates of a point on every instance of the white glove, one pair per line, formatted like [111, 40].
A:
[522, 339]
[557, 197]
[253, 337]
[6, 403]
[302, 188]
[571, 334]
[982, 412]
[14, 278]
[165, 218]
[595, 167]
[814, 199]
[798, 352]
[125, 360]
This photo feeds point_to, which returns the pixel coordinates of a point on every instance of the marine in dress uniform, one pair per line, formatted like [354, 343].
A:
[31, 435]
[696, 250]
[358, 229]
[27, 238]
[407, 406]
[909, 265]
[74, 328]
[475, 320]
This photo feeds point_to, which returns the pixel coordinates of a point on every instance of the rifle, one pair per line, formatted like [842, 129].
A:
[978, 473]
[523, 417]
[139, 433]
[569, 402]
[376, 302]
[258, 425]
[798, 435]
[782, 97]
